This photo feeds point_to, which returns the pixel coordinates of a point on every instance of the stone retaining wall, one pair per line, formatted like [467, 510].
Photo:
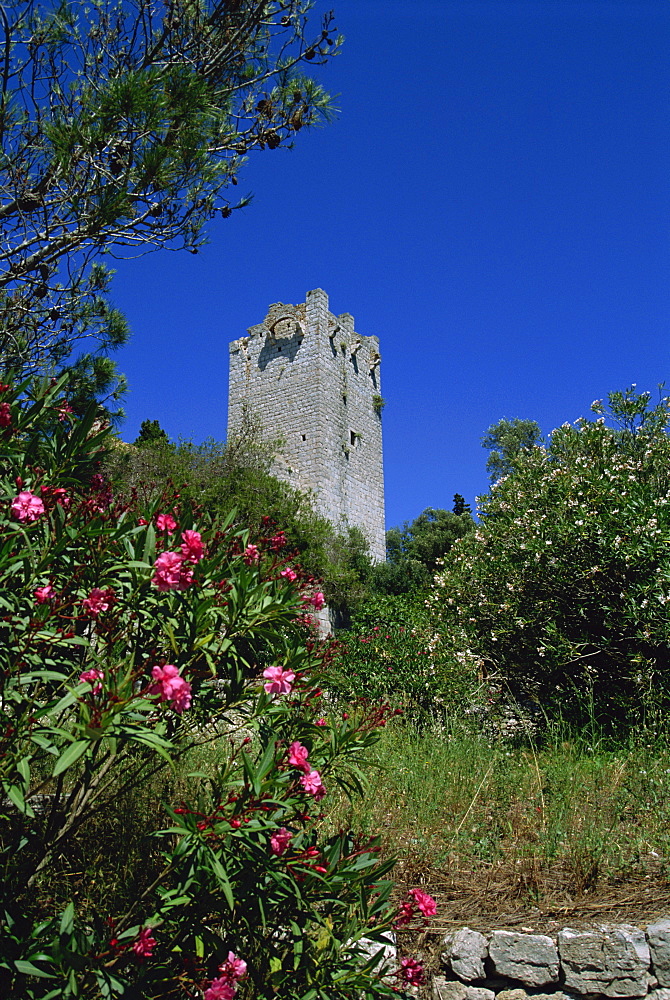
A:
[610, 960]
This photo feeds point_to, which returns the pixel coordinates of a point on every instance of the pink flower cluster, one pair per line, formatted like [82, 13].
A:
[251, 555]
[289, 574]
[144, 943]
[191, 546]
[166, 522]
[5, 415]
[313, 785]
[280, 840]
[278, 541]
[280, 681]
[99, 601]
[93, 677]
[317, 600]
[171, 687]
[170, 573]
[27, 507]
[45, 594]
[311, 780]
[297, 756]
[410, 972]
[225, 985]
[423, 901]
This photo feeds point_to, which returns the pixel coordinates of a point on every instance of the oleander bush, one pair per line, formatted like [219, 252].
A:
[562, 590]
[393, 652]
[165, 747]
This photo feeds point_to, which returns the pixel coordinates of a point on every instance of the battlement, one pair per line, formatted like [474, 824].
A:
[314, 382]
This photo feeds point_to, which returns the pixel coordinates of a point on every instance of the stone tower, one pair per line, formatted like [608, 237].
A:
[314, 383]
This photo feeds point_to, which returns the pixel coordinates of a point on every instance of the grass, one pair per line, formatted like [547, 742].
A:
[524, 825]
[565, 817]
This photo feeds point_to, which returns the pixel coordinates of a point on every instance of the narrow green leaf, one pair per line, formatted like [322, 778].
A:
[70, 756]
[67, 919]
[28, 969]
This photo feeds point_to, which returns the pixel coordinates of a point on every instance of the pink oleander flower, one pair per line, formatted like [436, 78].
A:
[191, 546]
[5, 414]
[410, 972]
[220, 989]
[55, 494]
[289, 574]
[170, 572]
[145, 943]
[166, 522]
[171, 687]
[278, 541]
[251, 555]
[93, 677]
[313, 785]
[45, 594]
[321, 722]
[297, 756]
[280, 681]
[233, 968]
[27, 507]
[317, 600]
[64, 411]
[405, 914]
[99, 601]
[280, 840]
[424, 902]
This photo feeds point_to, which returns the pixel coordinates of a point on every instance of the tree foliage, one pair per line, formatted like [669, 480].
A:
[563, 589]
[414, 551]
[506, 440]
[235, 476]
[122, 127]
[393, 652]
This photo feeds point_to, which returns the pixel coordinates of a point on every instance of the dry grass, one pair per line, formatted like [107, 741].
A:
[497, 830]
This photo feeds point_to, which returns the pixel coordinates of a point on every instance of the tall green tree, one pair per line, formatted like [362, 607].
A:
[123, 128]
[414, 551]
[506, 440]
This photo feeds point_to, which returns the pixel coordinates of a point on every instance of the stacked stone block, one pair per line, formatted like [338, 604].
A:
[610, 960]
[314, 383]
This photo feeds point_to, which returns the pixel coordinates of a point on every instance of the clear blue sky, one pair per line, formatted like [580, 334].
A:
[493, 202]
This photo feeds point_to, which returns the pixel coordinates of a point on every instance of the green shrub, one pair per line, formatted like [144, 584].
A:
[562, 591]
[134, 637]
[392, 652]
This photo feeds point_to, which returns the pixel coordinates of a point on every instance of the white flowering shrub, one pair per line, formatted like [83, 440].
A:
[563, 589]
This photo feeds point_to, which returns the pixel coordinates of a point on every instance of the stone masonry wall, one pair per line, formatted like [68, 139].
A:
[312, 381]
[603, 962]
[608, 960]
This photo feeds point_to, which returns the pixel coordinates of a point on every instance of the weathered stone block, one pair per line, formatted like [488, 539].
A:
[444, 989]
[658, 936]
[512, 995]
[464, 952]
[611, 960]
[556, 995]
[530, 958]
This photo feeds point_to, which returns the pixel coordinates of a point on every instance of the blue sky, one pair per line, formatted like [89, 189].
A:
[493, 202]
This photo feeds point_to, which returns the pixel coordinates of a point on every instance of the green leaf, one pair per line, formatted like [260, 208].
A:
[28, 969]
[67, 920]
[70, 756]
